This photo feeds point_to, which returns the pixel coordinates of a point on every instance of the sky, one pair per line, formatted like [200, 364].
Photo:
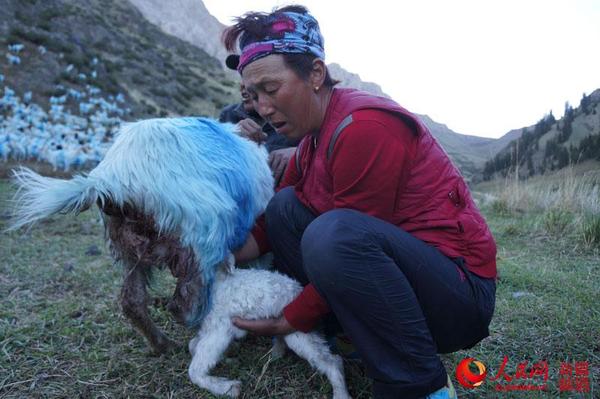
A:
[482, 67]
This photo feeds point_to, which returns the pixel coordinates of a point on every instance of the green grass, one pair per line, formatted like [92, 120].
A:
[62, 333]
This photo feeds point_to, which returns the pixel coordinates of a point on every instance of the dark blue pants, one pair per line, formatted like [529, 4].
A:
[399, 300]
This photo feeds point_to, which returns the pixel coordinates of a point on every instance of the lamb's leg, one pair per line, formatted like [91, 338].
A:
[279, 347]
[314, 349]
[209, 346]
[134, 300]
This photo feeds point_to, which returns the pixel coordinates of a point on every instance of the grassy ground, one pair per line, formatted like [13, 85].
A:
[62, 333]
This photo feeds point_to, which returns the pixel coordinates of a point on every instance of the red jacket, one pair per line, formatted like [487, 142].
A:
[387, 164]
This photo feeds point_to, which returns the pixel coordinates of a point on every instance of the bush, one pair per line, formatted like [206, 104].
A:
[198, 80]
[556, 221]
[512, 230]
[33, 37]
[179, 98]
[159, 92]
[591, 230]
[49, 14]
[78, 60]
[228, 83]
[138, 79]
[150, 109]
[500, 207]
[25, 19]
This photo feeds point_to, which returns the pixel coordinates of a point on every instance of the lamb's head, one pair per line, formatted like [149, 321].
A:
[136, 242]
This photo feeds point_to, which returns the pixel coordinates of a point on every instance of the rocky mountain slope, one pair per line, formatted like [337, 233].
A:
[187, 20]
[353, 80]
[108, 44]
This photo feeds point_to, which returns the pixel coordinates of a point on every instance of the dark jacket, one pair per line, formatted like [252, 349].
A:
[235, 112]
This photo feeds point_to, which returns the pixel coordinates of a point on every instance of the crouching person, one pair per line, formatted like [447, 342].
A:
[371, 216]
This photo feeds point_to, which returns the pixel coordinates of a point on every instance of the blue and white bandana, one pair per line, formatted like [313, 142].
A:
[289, 33]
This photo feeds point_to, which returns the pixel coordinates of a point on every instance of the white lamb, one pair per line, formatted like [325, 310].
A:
[255, 294]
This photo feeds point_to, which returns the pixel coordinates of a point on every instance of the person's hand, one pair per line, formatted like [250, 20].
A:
[278, 326]
[249, 251]
[278, 160]
[251, 130]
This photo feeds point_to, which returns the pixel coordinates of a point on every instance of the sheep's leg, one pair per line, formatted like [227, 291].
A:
[314, 349]
[207, 349]
[134, 300]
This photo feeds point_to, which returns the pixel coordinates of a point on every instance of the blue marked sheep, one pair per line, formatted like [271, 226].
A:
[177, 192]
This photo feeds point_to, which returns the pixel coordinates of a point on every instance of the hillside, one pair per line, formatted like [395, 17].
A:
[552, 144]
[108, 44]
[189, 21]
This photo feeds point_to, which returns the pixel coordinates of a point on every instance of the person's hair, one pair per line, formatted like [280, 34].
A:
[255, 25]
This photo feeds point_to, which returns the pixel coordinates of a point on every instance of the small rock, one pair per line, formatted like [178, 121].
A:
[93, 250]
[86, 229]
[519, 294]
[68, 267]
[76, 314]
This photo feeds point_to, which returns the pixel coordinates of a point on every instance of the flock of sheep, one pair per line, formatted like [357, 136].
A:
[75, 131]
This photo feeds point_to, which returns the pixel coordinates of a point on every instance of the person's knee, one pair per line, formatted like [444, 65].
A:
[279, 204]
[332, 237]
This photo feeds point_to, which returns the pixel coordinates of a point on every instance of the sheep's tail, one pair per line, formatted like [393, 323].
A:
[39, 197]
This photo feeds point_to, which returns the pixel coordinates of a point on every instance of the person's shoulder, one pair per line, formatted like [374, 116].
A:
[232, 113]
[380, 120]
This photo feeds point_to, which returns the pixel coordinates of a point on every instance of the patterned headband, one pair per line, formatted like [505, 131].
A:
[289, 33]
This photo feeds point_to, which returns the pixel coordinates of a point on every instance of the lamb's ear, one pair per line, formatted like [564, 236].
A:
[229, 263]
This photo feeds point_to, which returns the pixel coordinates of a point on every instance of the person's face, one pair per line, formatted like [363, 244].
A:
[246, 100]
[280, 96]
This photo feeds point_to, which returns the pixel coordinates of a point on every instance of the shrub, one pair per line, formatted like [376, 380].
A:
[17, 34]
[159, 92]
[198, 80]
[111, 66]
[556, 220]
[49, 14]
[591, 230]
[218, 89]
[182, 79]
[77, 59]
[512, 230]
[138, 79]
[228, 83]
[179, 98]
[500, 207]
[26, 19]
[150, 109]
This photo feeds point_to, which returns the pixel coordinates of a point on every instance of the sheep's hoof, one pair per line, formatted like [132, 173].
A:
[232, 388]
